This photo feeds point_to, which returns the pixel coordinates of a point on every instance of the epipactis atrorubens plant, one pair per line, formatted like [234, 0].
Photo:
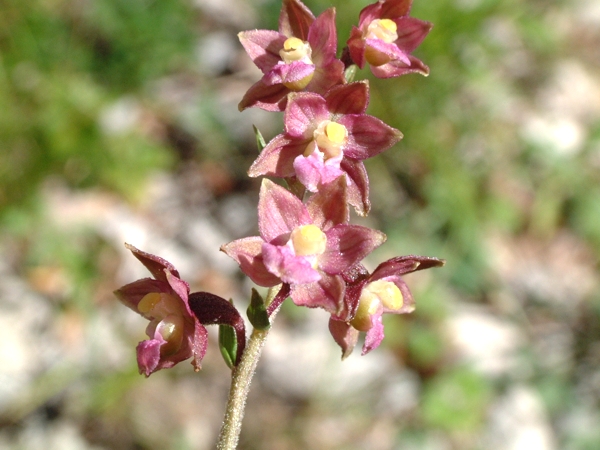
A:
[306, 250]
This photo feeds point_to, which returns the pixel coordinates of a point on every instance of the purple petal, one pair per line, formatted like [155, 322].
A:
[198, 344]
[374, 335]
[263, 47]
[288, 73]
[295, 19]
[397, 68]
[322, 37]
[345, 335]
[401, 265]
[312, 170]
[180, 287]
[411, 32]
[281, 261]
[367, 136]
[327, 74]
[155, 264]
[350, 98]
[356, 47]
[368, 14]
[247, 252]
[277, 158]
[358, 188]
[394, 8]
[347, 245]
[392, 51]
[304, 112]
[269, 98]
[327, 293]
[328, 207]
[148, 356]
[279, 211]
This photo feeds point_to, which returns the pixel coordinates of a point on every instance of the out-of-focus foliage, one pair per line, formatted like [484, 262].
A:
[498, 173]
[62, 65]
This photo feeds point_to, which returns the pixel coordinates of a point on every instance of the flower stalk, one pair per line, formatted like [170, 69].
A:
[241, 379]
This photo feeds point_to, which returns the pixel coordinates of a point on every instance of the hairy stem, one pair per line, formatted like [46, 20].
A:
[240, 384]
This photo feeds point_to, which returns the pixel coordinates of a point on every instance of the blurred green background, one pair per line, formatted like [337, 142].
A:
[119, 122]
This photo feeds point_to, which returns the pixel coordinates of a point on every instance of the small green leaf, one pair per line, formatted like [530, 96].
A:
[257, 312]
[350, 73]
[260, 140]
[228, 344]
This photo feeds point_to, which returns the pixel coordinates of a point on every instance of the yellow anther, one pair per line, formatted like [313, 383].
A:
[308, 240]
[383, 29]
[336, 133]
[367, 306]
[330, 137]
[293, 43]
[387, 293]
[295, 49]
[389, 25]
[375, 294]
[148, 302]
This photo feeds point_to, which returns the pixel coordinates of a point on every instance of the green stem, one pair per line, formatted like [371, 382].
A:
[240, 384]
